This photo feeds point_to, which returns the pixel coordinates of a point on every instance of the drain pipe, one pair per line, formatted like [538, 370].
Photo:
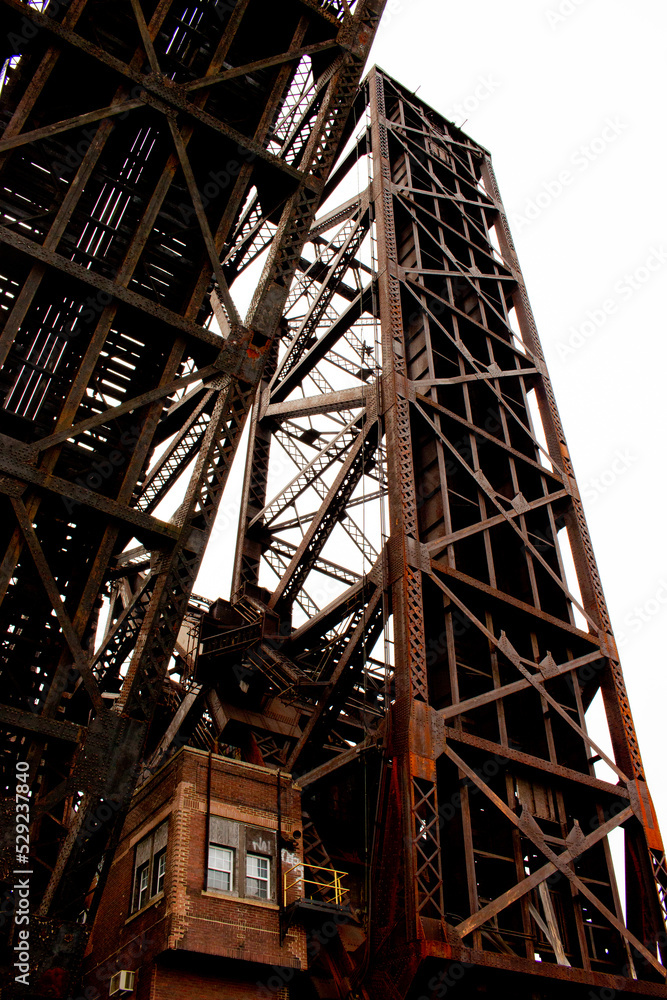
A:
[208, 817]
[279, 863]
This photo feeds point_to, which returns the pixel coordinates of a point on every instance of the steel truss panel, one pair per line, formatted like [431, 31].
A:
[149, 151]
[421, 467]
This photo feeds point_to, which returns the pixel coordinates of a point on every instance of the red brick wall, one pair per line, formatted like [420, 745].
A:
[187, 917]
[179, 984]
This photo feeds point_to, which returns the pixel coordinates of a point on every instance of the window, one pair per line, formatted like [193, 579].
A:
[159, 869]
[241, 860]
[150, 866]
[257, 876]
[141, 886]
[220, 868]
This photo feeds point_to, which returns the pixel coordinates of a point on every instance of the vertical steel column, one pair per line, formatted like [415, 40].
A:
[411, 738]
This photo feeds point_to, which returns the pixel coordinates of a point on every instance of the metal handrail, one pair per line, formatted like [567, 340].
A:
[338, 890]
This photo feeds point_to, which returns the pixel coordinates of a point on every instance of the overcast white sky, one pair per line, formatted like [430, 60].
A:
[568, 96]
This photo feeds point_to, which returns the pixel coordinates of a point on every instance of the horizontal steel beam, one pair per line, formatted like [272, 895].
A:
[159, 532]
[499, 751]
[25, 722]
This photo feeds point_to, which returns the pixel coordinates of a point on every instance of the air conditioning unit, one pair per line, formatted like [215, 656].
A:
[121, 983]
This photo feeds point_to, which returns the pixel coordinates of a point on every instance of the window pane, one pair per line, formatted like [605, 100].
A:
[218, 880]
[257, 867]
[255, 887]
[220, 857]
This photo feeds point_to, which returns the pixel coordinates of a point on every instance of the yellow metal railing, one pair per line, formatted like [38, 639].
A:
[322, 885]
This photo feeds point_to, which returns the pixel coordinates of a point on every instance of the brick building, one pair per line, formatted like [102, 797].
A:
[194, 903]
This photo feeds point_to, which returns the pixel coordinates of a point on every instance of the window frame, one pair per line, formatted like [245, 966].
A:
[159, 871]
[139, 890]
[266, 859]
[209, 868]
[153, 867]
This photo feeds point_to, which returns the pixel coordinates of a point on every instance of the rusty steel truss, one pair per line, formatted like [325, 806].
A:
[424, 651]
[403, 633]
[150, 150]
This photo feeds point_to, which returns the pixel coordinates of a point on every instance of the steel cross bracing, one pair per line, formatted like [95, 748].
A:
[148, 150]
[425, 662]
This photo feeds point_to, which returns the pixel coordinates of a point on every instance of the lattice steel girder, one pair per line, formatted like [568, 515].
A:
[489, 771]
[121, 201]
[477, 512]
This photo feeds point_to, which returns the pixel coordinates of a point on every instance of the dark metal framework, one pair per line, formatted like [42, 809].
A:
[402, 632]
[150, 150]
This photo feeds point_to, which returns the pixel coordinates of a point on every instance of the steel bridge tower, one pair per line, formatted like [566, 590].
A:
[404, 636]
